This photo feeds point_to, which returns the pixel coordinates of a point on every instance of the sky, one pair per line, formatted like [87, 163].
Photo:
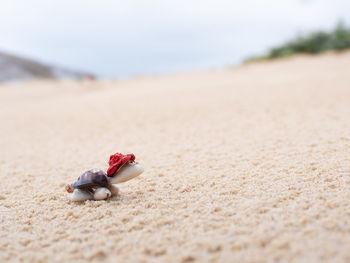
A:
[118, 39]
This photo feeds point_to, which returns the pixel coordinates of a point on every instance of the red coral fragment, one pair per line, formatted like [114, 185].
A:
[116, 161]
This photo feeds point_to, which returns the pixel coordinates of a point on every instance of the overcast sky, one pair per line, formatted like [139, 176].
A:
[125, 38]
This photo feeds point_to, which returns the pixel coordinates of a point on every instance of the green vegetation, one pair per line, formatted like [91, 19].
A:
[313, 43]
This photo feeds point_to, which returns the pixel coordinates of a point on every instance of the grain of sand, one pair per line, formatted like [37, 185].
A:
[249, 164]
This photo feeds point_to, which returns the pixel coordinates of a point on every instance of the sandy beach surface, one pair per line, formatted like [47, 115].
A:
[247, 164]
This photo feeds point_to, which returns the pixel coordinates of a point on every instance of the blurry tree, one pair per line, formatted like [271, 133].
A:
[312, 43]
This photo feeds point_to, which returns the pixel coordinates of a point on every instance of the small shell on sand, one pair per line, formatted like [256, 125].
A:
[69, 188]
[80, 195]
[114, 190]
[102, 193]
[126, 173]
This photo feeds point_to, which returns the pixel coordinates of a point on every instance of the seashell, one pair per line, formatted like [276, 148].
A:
[114, 190]
[69, 188]
[102, 193]
[80, 195]
[90, 179]
[126, 173]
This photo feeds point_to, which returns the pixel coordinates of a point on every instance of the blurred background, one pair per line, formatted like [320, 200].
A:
[121, 39]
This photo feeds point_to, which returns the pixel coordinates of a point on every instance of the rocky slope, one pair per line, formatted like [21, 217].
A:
[15, 68]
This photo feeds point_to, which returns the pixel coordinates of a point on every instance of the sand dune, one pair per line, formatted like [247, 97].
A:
[249, 164]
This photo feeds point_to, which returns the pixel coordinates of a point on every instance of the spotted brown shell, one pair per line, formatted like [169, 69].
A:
[90, 179]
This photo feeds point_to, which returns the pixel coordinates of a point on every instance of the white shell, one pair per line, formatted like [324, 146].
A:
[80, 195]
[114, 190]
[102, 193]
[126, 173]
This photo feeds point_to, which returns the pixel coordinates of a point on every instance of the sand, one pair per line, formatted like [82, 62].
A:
[247, 164]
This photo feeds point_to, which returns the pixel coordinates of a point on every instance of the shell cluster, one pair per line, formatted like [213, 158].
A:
[95, 184]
